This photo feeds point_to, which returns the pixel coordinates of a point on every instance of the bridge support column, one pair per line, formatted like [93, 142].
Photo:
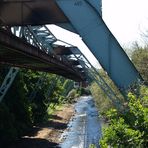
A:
[88, 22]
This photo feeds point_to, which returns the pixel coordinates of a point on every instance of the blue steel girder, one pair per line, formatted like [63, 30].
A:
[8, 81]
[97, 4]
[83, 16]
[95, 76]
[42, 37]
[108, 91]
[89, 24]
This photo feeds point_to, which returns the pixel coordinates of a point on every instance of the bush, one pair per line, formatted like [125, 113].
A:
[83, 91]
[18, 111]
[72, 95]
[103, 102]
[8, 130]
[128, 129]
[140, 59]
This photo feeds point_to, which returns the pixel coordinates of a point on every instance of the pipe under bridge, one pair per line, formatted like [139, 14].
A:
[79, 16]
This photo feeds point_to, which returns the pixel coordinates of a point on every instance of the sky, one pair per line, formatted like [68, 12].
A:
[126, 19]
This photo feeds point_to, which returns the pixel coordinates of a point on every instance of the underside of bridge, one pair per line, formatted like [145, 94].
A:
[80, 16]
[17, 52]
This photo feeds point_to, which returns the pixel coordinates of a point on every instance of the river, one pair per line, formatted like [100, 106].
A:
[84, 128]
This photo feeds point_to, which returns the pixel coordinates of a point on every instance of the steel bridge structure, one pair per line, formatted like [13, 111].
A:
[25, 41]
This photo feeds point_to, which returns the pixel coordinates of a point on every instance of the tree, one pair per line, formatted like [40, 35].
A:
[102, 101]
[18, 111]
[129, 129]
[140, 59]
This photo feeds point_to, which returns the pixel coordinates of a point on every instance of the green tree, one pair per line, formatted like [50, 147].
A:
[102, 101]
[140, 59]
[18, 111]
[129, 129]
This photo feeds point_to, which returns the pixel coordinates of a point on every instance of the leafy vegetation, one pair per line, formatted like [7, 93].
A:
[140, 59]
[92, 146]
[102, 101]
[129, 129]
[31, 100]
[75, 93]
[27, 104]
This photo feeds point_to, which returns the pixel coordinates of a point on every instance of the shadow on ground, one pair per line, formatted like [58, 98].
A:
[55, 125]
[28, 141]
[54, 117]
[33, 143]
[48, 124]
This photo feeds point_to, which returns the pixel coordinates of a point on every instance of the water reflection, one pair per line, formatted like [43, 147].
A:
[85, 128]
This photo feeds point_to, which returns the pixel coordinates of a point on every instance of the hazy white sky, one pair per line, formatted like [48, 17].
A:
[126, 19]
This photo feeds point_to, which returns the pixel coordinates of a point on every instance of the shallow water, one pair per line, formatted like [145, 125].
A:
[84, 128]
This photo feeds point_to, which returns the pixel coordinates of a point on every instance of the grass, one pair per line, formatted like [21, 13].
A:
[53, 108]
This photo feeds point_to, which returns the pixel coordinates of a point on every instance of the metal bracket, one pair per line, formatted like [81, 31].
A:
[8, 81]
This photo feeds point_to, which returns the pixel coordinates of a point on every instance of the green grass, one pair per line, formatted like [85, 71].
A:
[53, 108]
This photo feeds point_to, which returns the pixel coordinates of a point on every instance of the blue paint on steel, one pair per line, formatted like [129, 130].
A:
[89, 24]
[93, 74]
[97, 4]
[8, 81]
[67, 26]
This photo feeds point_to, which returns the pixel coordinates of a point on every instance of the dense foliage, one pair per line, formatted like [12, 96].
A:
[102, 101]
[140, 59]
[27, 104]
[75, 93]
[128, 129]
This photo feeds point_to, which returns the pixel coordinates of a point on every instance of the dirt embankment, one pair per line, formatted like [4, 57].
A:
[47, 135]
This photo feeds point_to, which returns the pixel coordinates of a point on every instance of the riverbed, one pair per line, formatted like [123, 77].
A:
[85, 127]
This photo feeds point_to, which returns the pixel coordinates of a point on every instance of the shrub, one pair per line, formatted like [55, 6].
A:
[129, 129]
